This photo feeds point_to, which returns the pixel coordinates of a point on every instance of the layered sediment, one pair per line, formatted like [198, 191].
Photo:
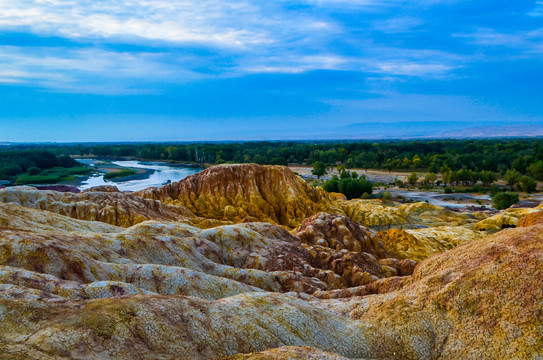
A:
[246, 192]
[249, 262]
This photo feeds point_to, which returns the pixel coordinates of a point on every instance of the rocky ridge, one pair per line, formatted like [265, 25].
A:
[159, 276]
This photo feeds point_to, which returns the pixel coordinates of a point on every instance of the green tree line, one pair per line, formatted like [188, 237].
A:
[459, 157]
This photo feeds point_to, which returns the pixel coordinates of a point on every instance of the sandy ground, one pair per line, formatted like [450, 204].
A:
[434, 197]
[372, 175]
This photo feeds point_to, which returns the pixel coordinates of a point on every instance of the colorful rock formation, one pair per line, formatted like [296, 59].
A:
[152, 279]
[246, 192]
[115, 208]
[380, 216]
[480, 300]
[288, 353]
[531, 219]
[340, 233]
[418, 244]
[505, 219]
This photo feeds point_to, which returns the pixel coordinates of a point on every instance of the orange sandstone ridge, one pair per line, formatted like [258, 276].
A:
[200, 269]
[245, 192]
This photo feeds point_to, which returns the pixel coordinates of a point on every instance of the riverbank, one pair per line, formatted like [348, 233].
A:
[149, 174]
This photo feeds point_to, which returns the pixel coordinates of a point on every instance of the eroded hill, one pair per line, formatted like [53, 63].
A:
[249, 261]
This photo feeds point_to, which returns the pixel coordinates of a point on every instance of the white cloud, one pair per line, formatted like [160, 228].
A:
[397, 24]
[227, 23]
[528, 42]
[538, 9]
[87, 70]
[297, 64]
[239, 37]
[414, 69]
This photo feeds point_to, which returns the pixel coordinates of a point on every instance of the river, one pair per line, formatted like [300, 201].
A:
[151, 174]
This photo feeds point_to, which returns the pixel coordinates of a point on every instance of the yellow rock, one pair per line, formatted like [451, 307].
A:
[155, 281]
[233, 192]
[480, 300]
[380, 216]
[505, 219]
[418, 244]
[288, 353]
[115, 208]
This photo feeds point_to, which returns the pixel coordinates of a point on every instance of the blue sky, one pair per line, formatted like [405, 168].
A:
[166, 70]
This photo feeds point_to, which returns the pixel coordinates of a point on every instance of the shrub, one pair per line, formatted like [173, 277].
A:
[527, 184]
[495, 189]
[504, 200]
[33, 171]
[387, 195]
[351, 188]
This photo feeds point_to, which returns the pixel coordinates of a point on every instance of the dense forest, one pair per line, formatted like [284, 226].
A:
[37, 165]
[493, 155]
[458, 158]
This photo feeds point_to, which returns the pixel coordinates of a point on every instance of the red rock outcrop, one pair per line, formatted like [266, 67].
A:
[339, 232]
[480, 300]
[531, 219]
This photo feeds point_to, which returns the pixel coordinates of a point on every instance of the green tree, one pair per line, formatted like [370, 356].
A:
[504, 200]
[33, 171]
[430, 179]
[279, 161]
[512, 177]
[412, 179]
[536, 170]
[446, 176]
[319, 169]
[488, 177]
[350, 187]
[527, 184]
[416, 161]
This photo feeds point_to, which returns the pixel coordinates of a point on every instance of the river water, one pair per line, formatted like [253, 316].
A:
[156, 174]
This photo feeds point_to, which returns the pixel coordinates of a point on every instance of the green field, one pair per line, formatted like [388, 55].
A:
[119, 174]
[52, 176]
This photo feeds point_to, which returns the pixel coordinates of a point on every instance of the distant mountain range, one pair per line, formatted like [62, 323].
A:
[367, 131]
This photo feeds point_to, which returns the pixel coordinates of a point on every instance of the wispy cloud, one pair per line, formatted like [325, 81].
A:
[86, 70]
[297, 64]
[397, 24]
[228, 23]
[537, 10]
[526, 42]
[240, 37]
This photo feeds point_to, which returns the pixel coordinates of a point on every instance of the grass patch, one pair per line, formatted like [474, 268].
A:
[119, 174]
[52, 176]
